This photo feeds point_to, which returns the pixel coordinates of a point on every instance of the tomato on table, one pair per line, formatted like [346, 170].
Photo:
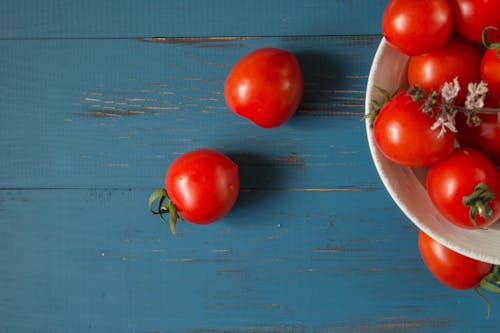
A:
[417, 27]
[459, 58]
[201, 187]
[403, 133]
[265, 86]
[465, 188]
[449, 267]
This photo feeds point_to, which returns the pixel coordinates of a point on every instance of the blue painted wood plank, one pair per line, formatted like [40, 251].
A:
[187, 18]
[97, 261]
[98, 113]
[98, 97]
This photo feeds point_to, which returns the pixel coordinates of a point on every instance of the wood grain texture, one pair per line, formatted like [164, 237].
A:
[79, 261]
[27, 19]
[98, 97]
[103, 113]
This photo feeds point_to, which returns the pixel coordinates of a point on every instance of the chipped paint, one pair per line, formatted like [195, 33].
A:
[213, 41]
[222, 251]
[298, 328]
[391, 325]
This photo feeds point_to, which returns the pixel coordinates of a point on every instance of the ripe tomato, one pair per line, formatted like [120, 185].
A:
[449, 267]
[265, 86]
[485, 137]
[458, 58]
[470, 17]
[458, 178]
[203, 185]
[403, 133]
[417, 27]
[490, 70]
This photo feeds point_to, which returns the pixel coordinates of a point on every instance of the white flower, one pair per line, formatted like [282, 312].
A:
[449, 90]
[445, 121]
[476, 93]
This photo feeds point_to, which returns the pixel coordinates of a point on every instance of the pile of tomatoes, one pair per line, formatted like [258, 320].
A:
[447, 41]
[453, 45]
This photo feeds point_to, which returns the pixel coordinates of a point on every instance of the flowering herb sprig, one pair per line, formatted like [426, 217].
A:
[442, 105]
[476, 93]
[446, 118]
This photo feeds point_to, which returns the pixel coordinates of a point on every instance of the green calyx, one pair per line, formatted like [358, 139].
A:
[160, 196]
[375, 105]
[491, 283]
[488, 44]
[478, 203]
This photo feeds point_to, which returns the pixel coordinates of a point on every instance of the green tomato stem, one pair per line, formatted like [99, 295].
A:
[161, 196]
[488, 44]
[488, 304]
[478, 202]
[491, 281]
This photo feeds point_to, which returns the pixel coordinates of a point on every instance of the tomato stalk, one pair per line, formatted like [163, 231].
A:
[490, 283]
[488, 44]
[376, 106]
[160, 196]
[478, 203]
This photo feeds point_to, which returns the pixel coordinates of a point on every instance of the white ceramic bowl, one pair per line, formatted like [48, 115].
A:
[407, 185]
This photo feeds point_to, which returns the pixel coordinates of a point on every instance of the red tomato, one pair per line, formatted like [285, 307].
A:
[265, 86]
[456, 177]
[458, 58]
[417, 27]
[490, 70]
[403, 133]
[203, 185]
[470, 17]
[485, 137]
[449, 267]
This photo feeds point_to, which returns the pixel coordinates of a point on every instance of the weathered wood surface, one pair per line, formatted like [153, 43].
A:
[27, 19]
[97, 98]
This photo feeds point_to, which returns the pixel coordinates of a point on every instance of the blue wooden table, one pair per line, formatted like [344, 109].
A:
[98, 97]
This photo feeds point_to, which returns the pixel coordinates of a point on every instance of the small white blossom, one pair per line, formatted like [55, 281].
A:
[450, 90]
[476, 93]
[445, 121]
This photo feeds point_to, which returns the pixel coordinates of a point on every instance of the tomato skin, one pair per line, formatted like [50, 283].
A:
[417, 27]
[449, 267]
[458, 58]
[403, 133]
[490, 72]
[485, 137]
[265, 86]
[456, 176]
[470, 17]
[203, 185]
